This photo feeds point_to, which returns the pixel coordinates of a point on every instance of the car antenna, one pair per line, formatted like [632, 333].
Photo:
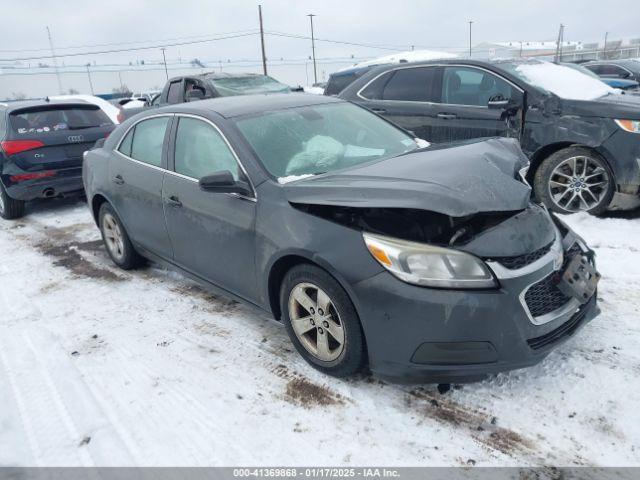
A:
[46, 99]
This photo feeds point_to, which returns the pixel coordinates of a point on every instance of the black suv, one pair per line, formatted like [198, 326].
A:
[582, 138]
[41, 148]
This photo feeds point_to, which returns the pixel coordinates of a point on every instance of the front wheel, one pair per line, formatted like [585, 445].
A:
[574, 179]
[116, 239]
[321, 321]
[10, 208]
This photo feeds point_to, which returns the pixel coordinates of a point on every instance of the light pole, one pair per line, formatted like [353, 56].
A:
[264, 56]
[470, 23]
[164, 60]
[313, 49]
[89, 75]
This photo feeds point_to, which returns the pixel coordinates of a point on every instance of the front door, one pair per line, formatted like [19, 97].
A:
[463, 112]
[137, 171]
[212, 233]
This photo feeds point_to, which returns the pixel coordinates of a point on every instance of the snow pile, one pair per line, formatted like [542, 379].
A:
[314, 90]
[563, 81]
[404, 57]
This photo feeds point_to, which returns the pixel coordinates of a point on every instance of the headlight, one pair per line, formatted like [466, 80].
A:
[632, 126]
[427, 265]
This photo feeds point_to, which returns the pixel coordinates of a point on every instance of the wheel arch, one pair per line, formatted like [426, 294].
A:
[284, 263]
[546, 151]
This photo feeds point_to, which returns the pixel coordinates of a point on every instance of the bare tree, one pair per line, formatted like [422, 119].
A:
[18, 95]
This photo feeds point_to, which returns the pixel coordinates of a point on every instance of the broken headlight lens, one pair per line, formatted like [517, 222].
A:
[632, 126]
[428, 265]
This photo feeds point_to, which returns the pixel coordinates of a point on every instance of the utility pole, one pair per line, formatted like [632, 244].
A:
[559, 43]
[120, 79]
[520, 49]
[264, 56]
[55, 62]
[89, 75]
[604, 48]
[164, 60]
[470, 23]
[313, 49]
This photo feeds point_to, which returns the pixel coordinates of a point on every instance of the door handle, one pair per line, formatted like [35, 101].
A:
[118, 180]
[447, 116]
[379, 110]
[174, 201]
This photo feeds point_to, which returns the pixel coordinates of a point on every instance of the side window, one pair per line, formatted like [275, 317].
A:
[201, 150]
[148, 139]
[373, 91]
[410, 85]
[597, 69]
[125, 145]
[474, 87]
[614, 71]
[175, 92]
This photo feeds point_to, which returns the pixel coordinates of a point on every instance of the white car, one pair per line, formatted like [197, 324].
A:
[106, 107]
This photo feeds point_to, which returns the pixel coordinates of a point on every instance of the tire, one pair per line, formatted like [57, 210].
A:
[116, 239]
[10, 208]
[588, 192]
[335, 360]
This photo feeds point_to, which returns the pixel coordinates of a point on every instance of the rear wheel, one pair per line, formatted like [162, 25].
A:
[321, 321]
[10, 208]
[575, 179]
[119, 246]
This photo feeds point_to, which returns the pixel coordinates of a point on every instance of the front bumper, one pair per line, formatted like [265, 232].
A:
[417, 334]
[64, 182]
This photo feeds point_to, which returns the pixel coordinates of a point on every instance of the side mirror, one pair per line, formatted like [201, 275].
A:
[223, 182]
[195, 94]
[625, 75]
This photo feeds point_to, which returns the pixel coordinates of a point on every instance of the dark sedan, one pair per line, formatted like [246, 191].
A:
[41, 147]
[424, 263]
[582, 136]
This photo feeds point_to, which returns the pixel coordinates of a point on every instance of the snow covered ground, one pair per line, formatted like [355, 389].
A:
[104, 367]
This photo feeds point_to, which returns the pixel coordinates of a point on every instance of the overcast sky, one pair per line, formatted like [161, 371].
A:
[440, 25]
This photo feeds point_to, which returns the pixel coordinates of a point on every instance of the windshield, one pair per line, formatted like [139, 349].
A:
[321, 138]
[561, 80]
[247, 85]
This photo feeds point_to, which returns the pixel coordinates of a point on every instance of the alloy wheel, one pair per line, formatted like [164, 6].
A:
[316, 322]
[113, 236]
[578, 184]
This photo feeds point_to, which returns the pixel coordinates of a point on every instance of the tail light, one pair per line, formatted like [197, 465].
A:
[31, 176]
[11, 147]
[120, 116]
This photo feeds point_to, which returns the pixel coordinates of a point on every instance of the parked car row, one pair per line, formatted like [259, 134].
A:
[375, 248]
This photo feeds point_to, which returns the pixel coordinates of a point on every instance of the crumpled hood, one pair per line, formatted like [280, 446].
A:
[456, 180]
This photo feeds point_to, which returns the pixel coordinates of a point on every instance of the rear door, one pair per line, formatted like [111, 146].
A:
[463, 112]
[405, 96]
[58, 135]
[137, 171]
[212, 233]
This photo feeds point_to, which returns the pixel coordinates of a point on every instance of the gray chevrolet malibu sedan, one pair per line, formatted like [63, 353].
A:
[373, 248]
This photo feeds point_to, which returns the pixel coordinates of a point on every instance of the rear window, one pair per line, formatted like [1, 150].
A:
[57, 118]
[337, 83]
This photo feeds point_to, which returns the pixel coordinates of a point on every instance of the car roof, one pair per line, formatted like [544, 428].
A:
[216, 75]
[20, 104]
[240, 105]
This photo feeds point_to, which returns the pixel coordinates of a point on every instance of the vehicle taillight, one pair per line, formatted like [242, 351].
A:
[31, 176]
[120, 117]
[11, 147]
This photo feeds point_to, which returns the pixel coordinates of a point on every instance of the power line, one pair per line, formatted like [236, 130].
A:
[129, 42]
[131, 49]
